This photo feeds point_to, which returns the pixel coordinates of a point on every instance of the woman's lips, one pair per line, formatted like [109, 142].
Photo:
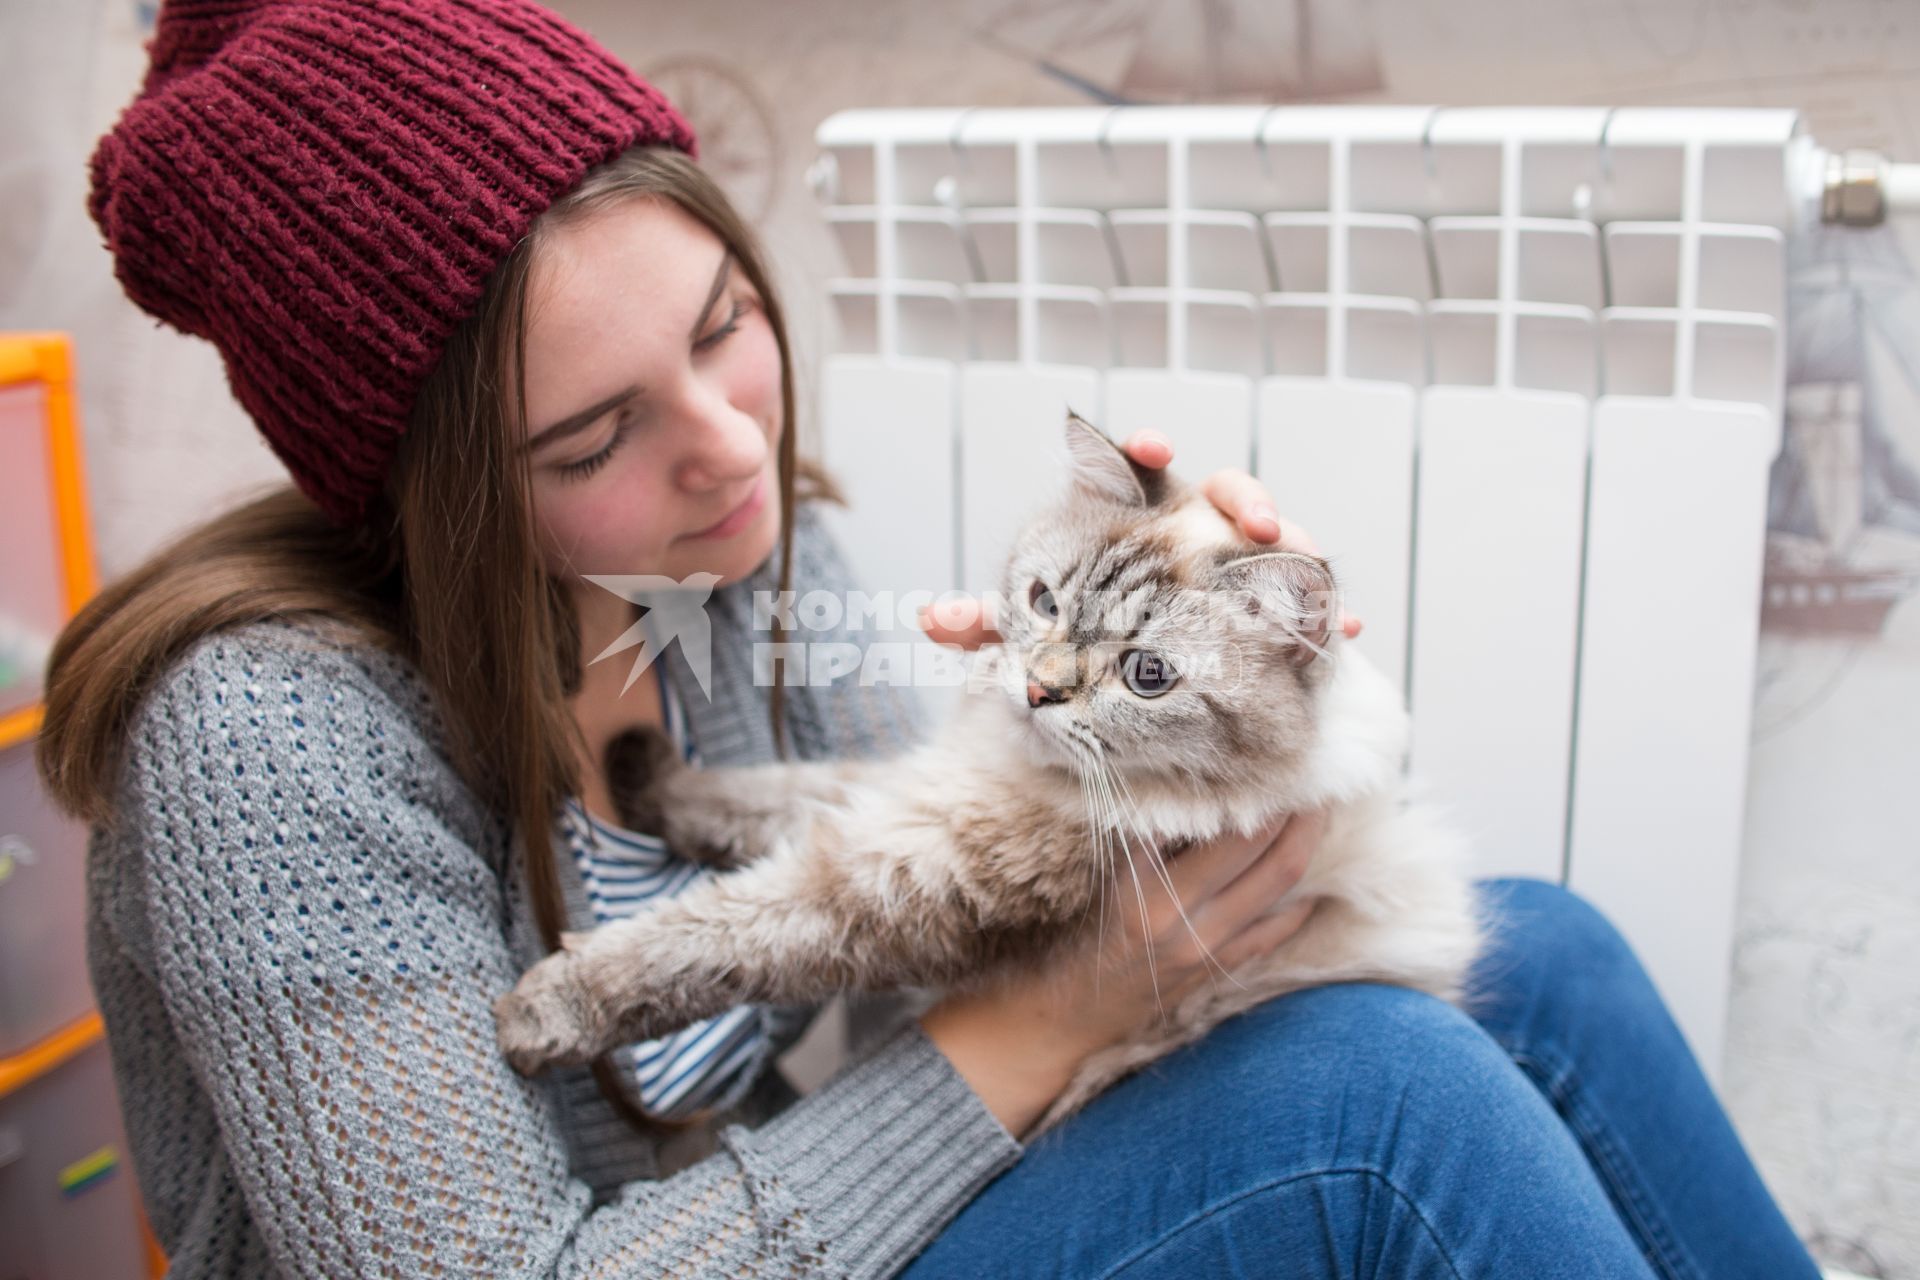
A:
[740, 517]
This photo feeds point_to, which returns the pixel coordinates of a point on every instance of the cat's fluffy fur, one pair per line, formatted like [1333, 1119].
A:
[1020, 824]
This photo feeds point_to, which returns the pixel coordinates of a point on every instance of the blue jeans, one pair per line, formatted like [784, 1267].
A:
[1358, 1130]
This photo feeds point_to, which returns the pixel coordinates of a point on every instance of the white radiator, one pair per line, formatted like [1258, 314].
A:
[1519, 371]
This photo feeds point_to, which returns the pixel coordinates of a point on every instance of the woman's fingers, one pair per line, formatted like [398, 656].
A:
[1149, 449]
[1241, 498]
[1245, 501]
[1273, 874]
[1204, 870]
[1158, 895]
[1264, 934]
[959, 620]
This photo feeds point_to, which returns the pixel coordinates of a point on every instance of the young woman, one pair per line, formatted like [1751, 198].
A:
[343, 750]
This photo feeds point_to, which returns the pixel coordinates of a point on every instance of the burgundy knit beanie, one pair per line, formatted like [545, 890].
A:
[322, 187]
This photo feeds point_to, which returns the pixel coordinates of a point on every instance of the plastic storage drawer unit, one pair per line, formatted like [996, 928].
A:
[45, 560]
[69, 1209]
[45, 576]
[43, 969]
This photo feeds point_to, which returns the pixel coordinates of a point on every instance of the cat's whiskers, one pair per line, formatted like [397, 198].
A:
[1102, 864]
[1160, 865]
[1116, 815]
[1106, 817]
[1113, 783]
[1104, 870]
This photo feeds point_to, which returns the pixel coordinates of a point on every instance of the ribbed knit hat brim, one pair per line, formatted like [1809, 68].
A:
[322, 188]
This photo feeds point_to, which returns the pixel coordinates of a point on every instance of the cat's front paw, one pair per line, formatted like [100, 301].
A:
[549, 1019]
[639, 764]
[659, 794]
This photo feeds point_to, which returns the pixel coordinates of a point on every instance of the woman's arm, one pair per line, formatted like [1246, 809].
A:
[327, 933]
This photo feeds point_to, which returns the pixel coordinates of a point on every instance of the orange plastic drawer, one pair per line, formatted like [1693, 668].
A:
[43, 968]
[33, 590]
[69, 1208]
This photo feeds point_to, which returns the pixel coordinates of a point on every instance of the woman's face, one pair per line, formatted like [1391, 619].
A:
[653, 400]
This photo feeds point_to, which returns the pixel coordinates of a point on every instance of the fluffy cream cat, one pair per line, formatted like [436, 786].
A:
[1162, 682]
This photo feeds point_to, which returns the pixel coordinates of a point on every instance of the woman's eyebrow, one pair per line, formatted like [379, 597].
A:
[713, 294]
[582, 420]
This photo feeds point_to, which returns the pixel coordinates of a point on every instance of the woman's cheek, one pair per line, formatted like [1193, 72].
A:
[612, 528]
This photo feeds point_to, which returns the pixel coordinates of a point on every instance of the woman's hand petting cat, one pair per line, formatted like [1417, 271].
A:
[1240, 497]
[1020, 1042]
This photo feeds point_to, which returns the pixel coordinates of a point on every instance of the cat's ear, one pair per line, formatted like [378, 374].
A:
[1287, 589]
[1103, 469]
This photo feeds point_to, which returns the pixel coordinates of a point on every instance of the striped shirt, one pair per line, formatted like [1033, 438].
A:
[709, 1064]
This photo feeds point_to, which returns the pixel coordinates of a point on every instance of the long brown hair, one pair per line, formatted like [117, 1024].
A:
[447, 572]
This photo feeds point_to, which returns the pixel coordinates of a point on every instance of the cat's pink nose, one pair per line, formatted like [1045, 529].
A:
[1039, 693]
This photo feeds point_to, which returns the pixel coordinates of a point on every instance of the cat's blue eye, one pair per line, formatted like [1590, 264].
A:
[1148, 674]
[1041, 601]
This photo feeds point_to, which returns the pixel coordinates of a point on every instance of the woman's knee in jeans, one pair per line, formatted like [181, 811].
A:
[1411, 1089]
[1551, 957]
[1366, 1056]
[1374, 1119]
[1551, 928]
[1371, 1025]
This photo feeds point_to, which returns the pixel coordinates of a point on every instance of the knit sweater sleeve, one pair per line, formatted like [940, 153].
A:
[323, 912]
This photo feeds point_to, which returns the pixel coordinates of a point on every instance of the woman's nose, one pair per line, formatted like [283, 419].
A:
[725, 445]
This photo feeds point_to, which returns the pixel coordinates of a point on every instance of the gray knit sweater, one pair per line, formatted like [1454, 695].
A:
[298, 924]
